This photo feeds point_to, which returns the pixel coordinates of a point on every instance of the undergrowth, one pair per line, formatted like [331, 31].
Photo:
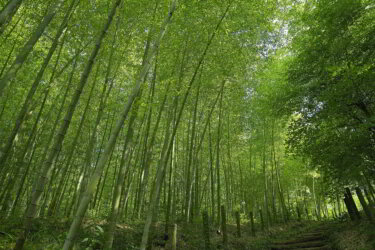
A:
[50, 234]
[354, 236]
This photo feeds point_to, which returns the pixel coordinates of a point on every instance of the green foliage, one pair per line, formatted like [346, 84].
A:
[332, 68]
[94, 240]
[297, 109]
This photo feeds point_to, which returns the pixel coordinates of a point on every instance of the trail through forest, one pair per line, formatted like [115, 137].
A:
[314, 239]
[201, 124]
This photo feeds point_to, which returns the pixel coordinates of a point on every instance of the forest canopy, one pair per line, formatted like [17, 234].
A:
[135, 110]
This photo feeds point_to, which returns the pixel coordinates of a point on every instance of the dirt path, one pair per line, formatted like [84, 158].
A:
[314, 239]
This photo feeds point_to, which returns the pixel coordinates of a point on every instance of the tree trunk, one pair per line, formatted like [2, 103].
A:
[190, 159]
[170, 187]
[83, 204]
[224, 227]
[206, 231]
[252, 224]
[267, 215]
[352, 203]
[102, 103]
[163, 160]
[349, 208]
[146, 147]
[23, 154]
[55, 198]
[174, 238]
[211, 174]
[28, 47]
[7, 13]
[101, 149]
[317, 210]
[218, 156]
[46, 171]
[147, 158]
[50, 137]
[3, 69]
[238, 222]
[261, 219]
[121, 178]
[160, 172]
[22, 182]
[27, 102]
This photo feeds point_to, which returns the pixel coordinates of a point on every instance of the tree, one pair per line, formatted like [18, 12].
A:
[335, 95]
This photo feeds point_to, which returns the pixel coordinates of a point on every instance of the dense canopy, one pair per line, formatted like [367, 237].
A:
[154, 111]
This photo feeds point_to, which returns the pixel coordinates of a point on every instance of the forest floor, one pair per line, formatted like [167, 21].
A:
[50, 234]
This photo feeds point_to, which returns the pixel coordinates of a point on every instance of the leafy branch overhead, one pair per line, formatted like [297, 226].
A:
[139, 116]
